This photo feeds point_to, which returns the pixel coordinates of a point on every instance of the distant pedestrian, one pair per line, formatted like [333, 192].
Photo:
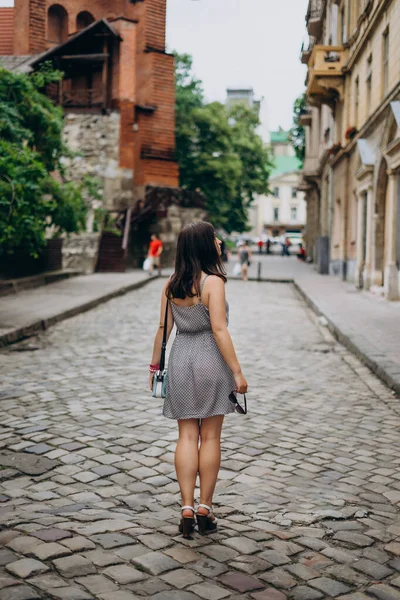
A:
[224, 253]
[260, 245]
[288, 243]
[268, 246]
[301, 255]
[245, 255]
[155, 251]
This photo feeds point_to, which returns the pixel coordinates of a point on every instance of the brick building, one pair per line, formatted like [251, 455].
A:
[118, 95]
[351, 170]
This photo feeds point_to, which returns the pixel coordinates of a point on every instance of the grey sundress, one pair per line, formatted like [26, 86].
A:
[199, 380]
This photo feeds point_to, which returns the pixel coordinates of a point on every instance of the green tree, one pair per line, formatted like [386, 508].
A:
[297, 133]
[218, 151]
[31, 149]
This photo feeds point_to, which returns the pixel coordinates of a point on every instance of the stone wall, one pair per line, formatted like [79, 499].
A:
[170, 227]
[96, 140]
[80, 251]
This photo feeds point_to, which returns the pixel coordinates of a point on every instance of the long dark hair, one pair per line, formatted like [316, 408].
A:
[196, 252]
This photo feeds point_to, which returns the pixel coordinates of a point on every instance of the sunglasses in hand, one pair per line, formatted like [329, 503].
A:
[238, 408]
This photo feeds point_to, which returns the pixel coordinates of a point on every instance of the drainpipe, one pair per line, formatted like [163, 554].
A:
[346, 219]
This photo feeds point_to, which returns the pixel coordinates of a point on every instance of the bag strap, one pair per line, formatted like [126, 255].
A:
[164, 341]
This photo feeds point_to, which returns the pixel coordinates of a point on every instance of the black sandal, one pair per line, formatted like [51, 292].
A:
[204, 522]
[186, 526]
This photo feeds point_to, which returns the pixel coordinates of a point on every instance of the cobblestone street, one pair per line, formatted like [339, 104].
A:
[309, 492]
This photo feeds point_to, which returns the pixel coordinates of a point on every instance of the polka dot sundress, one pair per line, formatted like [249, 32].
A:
[199, 380]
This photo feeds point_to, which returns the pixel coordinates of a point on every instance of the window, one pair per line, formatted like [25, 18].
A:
[369, 85]
[356, 100]
[57, 24]
[385, 56]
[83, 20]
[293, 213]
[343, 32]
[276, 192]
[294, 192]
[276, 214]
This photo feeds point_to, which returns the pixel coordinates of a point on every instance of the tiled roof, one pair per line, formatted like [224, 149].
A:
[285, 164]
[21, 64]
[6, 30]
[279, 136]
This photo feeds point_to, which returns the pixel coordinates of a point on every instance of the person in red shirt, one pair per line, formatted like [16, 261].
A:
[155, 251]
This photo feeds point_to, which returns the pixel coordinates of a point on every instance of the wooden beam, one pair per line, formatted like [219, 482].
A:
[100, 56]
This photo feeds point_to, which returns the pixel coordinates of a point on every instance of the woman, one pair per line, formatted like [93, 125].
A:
[203, 369]
[244, 259]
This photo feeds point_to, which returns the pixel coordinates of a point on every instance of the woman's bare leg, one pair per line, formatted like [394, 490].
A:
[209, 458]
[187, 460]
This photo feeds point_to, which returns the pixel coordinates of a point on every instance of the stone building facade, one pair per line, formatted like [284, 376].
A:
[352, 164]
[283, 212]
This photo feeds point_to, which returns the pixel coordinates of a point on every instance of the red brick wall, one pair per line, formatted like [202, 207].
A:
[29, 26]
[156, 14]
[6, 30]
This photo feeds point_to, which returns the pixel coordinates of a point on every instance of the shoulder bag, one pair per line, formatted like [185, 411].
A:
[161, 376]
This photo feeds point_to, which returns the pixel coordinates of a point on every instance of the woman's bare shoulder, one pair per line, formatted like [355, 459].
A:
[215, 283]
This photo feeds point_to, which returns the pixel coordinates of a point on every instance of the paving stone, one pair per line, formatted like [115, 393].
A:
[155, 563]
[269, 594]
[355, 539]
[384, 592]
[23, 544]
[209, 568]
[330, 586]
[302, 572]
[339, 555]
[355, 596]
[275, 558]
[393, 548]
[243, 545]
[52, 534]
[181, 578]
[103, 559]
[97, 584]
[78, 543]
[70, 593]
[124, 574]
[303, 592]
[175, 595]
[240, 582]
[50, 550]
[28, 464]
[74, 566]
[39, 449]
[47, 581]
[129, 552]
[111, 540]
[209, 591]
[155, 541]
[120, 595]
[19, 592]
[279, 578]
[250, 564]
[219, 553]
[182, 555]
[105, 470]
[6, 556]
[26, 567]
[6, 581]
[372, 569]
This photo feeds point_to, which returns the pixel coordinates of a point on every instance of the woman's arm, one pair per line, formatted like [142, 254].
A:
[217, 309]
[155, 360]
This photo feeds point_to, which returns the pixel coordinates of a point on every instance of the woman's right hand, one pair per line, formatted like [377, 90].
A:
[241, 383]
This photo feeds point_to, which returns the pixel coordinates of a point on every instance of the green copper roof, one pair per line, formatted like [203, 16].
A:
[279, 136]
[285, 164]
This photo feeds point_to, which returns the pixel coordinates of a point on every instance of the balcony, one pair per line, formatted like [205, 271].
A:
[305, 118]
[315, 16]
[306, 50]
[325, 79]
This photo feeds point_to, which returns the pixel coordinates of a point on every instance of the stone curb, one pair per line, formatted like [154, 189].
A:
[346, 340]
[21, 333]
[13, 286]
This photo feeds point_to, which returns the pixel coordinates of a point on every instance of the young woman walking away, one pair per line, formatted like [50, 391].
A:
[203, 369]
[245, 255]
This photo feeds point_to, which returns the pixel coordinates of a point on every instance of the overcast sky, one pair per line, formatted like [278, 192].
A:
[242, 43]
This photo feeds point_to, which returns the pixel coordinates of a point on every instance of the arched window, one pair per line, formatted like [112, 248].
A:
[83, 20]
[57, 24]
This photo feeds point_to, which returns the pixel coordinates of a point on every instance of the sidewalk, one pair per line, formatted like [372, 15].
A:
[368, 325]
[30, 311]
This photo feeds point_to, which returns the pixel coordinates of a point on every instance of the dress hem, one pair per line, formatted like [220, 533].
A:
[197, 417]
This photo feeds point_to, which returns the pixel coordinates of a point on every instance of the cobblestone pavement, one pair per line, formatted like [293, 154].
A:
[309, 492]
